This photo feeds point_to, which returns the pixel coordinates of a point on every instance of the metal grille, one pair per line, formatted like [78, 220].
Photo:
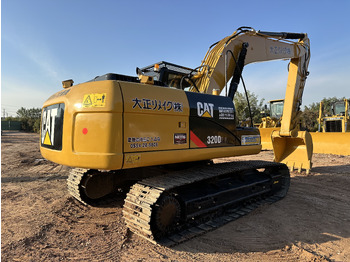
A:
[333, 126]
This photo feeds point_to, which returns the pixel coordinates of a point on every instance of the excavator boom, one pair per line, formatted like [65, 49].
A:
[227, 58]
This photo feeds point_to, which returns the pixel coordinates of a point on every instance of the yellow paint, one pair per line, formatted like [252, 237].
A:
[336, 143]
[206, 114]
[133, 159]
[295, 152]
[105, 145]
[188, 155]
[101, 147]
[265, 135]
[151, 119]
[47, 140]
[102, 129]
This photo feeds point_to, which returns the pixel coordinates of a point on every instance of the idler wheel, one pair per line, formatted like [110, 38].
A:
[96, 185]
[166, 216]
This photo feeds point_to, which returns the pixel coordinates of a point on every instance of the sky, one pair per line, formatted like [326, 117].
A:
[44, 42]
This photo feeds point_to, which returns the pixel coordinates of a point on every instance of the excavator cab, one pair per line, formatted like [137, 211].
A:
[271, 123]
[276, 108]
[169, 74]
[338, 108]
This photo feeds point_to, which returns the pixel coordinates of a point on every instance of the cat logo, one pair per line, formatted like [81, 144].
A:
[48, 126]
[51, 126]
[205, 109]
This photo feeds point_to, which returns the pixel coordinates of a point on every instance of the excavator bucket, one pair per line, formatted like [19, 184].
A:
[331, 143]
[295, 152]
[265, 134]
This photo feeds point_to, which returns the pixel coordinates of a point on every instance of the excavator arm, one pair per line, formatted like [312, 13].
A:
[226, 59]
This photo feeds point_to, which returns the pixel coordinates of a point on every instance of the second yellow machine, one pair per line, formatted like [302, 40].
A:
[159, 131]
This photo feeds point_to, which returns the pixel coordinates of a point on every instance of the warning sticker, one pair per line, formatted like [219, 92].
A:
[94, 100]
[133, 159]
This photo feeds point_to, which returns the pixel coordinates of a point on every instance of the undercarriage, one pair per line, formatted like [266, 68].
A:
[172, 206]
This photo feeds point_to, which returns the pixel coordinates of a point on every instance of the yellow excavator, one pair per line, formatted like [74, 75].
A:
[275, 116]
[271, 123]
[156, 134]
[333, 136]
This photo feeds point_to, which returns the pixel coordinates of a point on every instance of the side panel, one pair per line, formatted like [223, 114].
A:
[147, 132]
[91, 126]
[165, 126]
[96, 133]
[141, 159]
[155, 118]
[113, 125]
[212, 121]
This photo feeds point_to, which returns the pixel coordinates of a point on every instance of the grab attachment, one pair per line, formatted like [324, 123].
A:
[294, 151]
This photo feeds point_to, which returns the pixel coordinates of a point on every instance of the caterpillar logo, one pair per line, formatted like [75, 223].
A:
[205, 109]
[51, 126]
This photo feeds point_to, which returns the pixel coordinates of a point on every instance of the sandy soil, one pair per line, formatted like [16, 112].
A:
[41, 222]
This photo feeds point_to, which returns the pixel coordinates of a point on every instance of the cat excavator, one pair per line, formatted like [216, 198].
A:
[157, 135]
[271, 122]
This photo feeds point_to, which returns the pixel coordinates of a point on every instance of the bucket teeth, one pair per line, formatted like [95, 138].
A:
[295, 152]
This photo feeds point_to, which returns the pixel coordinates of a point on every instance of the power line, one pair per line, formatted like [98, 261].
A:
[9, 105]
[9, 110]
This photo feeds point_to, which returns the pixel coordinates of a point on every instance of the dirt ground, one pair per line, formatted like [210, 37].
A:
[41, 222]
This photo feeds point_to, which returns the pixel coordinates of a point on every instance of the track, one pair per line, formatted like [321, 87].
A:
[202, 214]
[73, 183]
[143, 199]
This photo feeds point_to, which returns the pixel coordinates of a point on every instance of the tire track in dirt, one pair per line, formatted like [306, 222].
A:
[41, 222]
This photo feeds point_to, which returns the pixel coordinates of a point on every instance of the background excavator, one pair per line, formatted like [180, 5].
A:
[157, 133]
[275, 114]
[333, 136]
[270, 123]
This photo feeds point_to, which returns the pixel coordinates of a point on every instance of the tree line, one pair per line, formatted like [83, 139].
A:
[308, 116]
[29, 118]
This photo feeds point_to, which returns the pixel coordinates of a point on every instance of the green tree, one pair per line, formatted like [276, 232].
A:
[30, 119]
[327, 105]
[310, 113]
[309, 117]
[11, 118]
[242, 109]
[28, 113]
